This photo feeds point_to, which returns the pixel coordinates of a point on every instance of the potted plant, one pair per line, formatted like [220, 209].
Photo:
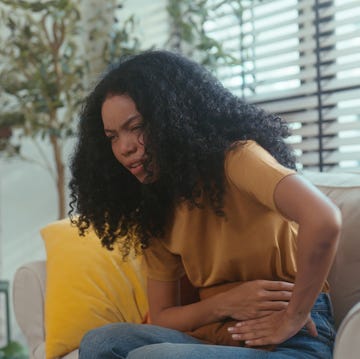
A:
[13, 350]
[45, 66]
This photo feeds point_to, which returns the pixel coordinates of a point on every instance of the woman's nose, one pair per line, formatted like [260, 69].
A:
[127, 146]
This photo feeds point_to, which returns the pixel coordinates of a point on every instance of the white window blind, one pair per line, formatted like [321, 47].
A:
[151, 21]
[299, 59]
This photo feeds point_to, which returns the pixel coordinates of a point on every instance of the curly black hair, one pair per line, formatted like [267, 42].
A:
[190, 121]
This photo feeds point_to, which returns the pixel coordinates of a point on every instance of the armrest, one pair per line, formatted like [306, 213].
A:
[347, 344]
[28, 300]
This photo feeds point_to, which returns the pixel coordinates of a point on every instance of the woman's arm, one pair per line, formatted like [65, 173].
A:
[319, 229]
[247, 300]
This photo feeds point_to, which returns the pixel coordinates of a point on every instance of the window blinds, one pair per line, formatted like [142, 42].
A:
[299, 59]
[152, 24]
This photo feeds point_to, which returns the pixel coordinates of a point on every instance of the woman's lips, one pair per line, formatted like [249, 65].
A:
[136, 168]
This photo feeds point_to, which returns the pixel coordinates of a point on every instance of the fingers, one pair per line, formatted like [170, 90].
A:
[252, 323]
[273, 305]
[260, 333]
[277, 285]
[255, 314]
[257, 298]
[275, 296]
[311, 327]
[276, 290]
[260, 309]
[251, 336]
[279, 295]
[272, 329]
[261, 341]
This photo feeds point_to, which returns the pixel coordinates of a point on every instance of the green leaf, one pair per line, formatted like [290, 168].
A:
[11, 119]
[13, 351]
[11, 24]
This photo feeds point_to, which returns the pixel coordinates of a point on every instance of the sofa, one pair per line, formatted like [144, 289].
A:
[32, 286]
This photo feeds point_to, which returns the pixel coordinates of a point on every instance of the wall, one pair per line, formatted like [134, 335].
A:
[27, 203]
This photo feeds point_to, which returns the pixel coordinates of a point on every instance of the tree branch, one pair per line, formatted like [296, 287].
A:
[46, 164]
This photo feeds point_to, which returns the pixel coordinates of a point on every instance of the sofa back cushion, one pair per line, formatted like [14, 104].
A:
[344, 190]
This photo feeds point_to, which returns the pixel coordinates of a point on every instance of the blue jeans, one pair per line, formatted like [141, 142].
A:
[139, 341]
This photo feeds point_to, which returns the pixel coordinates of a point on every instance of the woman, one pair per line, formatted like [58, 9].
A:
[204, 185]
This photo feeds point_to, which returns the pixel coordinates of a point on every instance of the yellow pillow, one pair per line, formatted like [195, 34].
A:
[87, 286]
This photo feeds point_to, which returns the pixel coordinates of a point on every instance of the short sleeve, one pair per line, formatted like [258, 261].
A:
[160, 263]
[255, 171]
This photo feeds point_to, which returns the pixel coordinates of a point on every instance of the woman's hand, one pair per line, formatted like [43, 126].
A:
[247, 300]
[275, 328]
[255, 299]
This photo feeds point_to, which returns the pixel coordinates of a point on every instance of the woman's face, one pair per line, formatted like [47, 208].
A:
[123, 126]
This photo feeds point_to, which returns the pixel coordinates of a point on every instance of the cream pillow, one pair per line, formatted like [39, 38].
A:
[87, 286]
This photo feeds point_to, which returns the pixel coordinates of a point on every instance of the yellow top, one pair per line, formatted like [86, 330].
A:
[253, 241]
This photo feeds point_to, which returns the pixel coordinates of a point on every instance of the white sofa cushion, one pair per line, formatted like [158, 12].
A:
[344, 280]
[28, 298]
[347, 344]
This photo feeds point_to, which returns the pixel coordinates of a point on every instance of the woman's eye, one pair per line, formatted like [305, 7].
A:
[136, 128]
[110, 138]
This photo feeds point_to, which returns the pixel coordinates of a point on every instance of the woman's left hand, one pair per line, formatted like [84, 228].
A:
[272, 329]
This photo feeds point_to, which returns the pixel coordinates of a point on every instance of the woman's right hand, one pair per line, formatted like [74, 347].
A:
[247, 300]
[255, 299]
